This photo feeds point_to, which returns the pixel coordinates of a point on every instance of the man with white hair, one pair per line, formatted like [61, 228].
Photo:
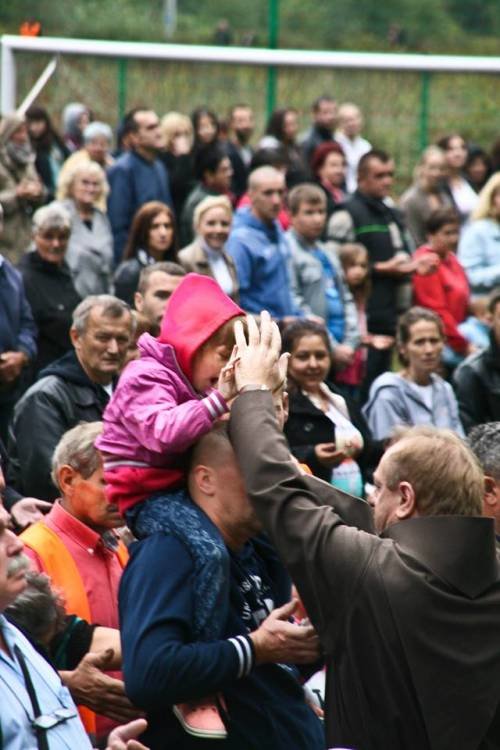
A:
[36, 707]
[21, 189]
[76, 546]
[74, 388]
[260, 249]
[348, 135]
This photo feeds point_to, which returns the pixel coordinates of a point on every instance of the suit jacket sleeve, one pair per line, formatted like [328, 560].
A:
[120, 208]
[26, 339]
[325, 557]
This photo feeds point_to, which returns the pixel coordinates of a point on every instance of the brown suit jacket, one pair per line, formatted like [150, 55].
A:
[409, 621]
[194, 260]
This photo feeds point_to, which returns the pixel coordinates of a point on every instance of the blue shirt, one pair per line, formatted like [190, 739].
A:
[133, 181]
[17, 328]
[16, 712]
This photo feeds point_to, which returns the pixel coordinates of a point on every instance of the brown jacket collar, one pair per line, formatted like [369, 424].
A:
[459, 549]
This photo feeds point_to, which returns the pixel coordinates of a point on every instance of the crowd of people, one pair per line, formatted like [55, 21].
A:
[249, 435]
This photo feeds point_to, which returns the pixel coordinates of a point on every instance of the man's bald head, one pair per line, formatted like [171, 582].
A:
[350, 119]
[266, 188]
[262, 174]
[216, 486]
[213, 449]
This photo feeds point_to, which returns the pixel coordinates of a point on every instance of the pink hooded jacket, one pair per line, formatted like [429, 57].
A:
[155, 414]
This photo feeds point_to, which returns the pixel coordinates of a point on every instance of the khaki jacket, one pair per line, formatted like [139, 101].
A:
[194, 260]
[18, 212]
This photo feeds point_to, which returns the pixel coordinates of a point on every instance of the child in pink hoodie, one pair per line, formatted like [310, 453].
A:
[168, 398]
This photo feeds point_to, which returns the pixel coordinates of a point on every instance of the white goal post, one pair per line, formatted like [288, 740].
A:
[230, 55]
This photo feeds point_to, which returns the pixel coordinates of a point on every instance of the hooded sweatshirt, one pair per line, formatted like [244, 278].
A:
[155, 414]
[395, 401]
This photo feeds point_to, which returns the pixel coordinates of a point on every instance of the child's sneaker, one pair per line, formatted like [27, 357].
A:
[202, 718]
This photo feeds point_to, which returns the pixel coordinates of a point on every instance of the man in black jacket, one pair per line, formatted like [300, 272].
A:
[73, 389]
[369, 218]
[477, 380]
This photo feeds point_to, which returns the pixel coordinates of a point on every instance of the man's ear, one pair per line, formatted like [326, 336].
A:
[491, 492]
[203, 479]
[74, 336]
[66, 476]
[407, 506]
[138, 300]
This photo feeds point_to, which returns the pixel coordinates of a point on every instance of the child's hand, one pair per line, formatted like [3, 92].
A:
[227, 385]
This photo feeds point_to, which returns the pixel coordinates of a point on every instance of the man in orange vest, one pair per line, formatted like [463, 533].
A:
[76, 543]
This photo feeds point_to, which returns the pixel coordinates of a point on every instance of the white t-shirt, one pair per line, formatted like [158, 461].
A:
[464, 196]
[426, 394]
[219, 268]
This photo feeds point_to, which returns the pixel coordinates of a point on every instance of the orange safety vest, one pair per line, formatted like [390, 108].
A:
[65, 576]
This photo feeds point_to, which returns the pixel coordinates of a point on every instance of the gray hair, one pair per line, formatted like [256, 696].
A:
[111, 307]
[97, 129]
[39, 609]
[484, 442]
[76, 449]
[53, 216]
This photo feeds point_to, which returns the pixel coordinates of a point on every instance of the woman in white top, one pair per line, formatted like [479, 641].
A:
[206, 255]
[455, 153]
[416, 395]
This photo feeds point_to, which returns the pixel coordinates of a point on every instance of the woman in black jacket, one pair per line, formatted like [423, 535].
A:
[325, 430]
[152, 239]
[48, 283]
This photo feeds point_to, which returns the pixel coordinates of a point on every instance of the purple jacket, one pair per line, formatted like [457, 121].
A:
[155, 414]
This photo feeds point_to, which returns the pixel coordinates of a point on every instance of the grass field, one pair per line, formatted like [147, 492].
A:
[391, 101]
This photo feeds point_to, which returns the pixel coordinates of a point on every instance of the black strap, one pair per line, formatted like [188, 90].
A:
[41, 735]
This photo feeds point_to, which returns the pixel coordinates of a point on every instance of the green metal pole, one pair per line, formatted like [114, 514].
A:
[424, 109]
[272, 73]
[122, 87]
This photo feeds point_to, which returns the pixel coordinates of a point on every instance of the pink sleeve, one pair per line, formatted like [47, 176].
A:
[162, 425]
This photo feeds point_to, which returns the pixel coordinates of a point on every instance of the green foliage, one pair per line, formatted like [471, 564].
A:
[452, 26]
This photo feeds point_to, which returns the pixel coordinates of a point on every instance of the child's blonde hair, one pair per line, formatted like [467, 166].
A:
[349, 253]
[223, 336]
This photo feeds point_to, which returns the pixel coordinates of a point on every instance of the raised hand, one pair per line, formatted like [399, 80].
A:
[259, 361]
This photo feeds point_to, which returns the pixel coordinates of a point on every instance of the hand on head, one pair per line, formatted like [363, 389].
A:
[258, 360]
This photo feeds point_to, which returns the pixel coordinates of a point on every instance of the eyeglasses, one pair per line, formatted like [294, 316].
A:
[48, 721]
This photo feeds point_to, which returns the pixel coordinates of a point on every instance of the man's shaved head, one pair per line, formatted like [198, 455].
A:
[261, 175]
